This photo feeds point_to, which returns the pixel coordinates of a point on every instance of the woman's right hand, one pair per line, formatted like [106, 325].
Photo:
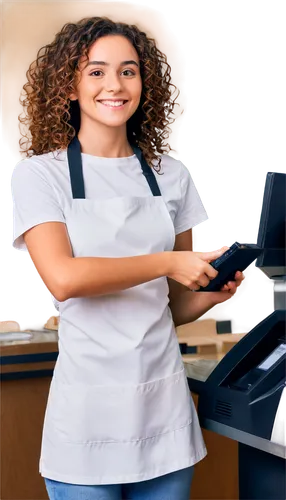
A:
[192, 269]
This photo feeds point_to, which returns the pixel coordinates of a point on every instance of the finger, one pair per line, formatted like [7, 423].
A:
[203, 280]
[224, 247]
[210, 256]
[227, 287]
[210, 271]
[221, 248]
[231, 284]
[224, 288]
[194, 286]
[238, 283]
[239, 275]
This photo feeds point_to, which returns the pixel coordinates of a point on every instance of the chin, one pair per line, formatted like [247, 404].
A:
[113, 122]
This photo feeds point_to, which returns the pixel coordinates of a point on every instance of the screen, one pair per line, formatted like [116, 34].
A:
[271, 224]
[273, 357]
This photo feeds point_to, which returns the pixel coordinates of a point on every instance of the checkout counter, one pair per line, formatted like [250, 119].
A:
[237, 459]
[248, 386]
[26, 368]
[242, 397]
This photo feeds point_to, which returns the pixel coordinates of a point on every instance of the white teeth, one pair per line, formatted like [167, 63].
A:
[112, 103]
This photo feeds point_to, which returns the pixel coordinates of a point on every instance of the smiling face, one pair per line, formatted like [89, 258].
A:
[113, 75]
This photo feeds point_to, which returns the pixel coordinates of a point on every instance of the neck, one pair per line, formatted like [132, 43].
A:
[104, 141]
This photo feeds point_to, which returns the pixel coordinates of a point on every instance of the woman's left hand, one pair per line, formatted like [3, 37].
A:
[229, 289]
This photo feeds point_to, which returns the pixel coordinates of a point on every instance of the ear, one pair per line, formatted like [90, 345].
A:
[73, 97]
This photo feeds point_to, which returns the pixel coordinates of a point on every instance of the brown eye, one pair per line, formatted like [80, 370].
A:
[96, 71]
[130, 71]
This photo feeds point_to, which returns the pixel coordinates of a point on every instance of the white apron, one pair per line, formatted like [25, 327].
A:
[119, 408]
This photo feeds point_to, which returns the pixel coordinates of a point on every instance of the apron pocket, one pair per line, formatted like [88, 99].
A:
[91, 413]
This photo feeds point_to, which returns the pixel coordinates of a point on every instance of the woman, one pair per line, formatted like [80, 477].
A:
[31, 19]
[107, 223]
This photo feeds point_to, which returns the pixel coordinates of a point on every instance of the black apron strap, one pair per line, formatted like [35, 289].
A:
[75, 168]
[76, 175]
[147, 171]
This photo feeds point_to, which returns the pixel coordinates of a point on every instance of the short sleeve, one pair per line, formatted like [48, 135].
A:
[191, 210]
[34, 200]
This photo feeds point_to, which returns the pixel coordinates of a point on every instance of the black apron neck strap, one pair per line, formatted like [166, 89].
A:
[75, 168]
[147, 172]
[76, 175]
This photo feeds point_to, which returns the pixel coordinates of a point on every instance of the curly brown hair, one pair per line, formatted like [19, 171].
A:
[53, 119]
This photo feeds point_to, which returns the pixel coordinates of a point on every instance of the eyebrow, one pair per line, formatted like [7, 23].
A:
[103, 63]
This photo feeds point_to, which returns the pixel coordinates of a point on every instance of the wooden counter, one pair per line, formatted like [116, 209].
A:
[26, 371]
[37, 354]
[26, 368]
[216, 477]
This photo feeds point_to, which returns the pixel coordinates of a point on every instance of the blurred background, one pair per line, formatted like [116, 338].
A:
[228, 61]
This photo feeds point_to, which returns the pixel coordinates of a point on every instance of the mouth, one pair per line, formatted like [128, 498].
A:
[113, 104]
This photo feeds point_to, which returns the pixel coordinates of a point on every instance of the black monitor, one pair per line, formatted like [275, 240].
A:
[271, 234]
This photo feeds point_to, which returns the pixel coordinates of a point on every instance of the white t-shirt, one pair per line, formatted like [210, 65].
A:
[119, 359]
[41, 189]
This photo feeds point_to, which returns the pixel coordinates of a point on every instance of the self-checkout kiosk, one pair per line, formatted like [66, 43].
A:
[244, 397]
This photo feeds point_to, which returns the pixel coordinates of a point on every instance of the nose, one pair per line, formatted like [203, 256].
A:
[113, 82]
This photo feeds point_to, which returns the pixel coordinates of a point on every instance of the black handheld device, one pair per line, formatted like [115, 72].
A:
[237, 258]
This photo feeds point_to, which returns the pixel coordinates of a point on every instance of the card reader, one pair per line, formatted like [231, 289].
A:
[237, 258]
